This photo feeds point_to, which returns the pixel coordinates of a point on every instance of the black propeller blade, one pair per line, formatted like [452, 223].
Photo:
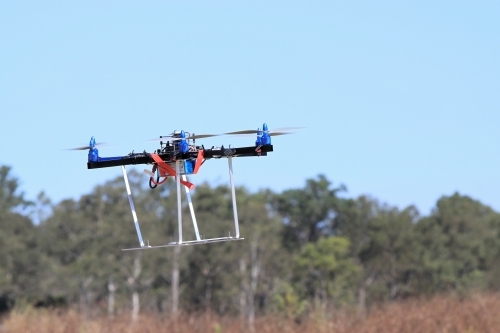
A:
[272, 132]
[99, 144]
[188, 137]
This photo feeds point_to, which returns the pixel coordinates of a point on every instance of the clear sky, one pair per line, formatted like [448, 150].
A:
[400, 99]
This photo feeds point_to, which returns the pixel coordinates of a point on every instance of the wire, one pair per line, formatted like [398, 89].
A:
[157, 182]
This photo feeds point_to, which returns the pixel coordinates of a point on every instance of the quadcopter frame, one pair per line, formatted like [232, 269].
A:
[180, 242]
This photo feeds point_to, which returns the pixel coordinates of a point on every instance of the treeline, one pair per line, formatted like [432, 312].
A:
[305, 249]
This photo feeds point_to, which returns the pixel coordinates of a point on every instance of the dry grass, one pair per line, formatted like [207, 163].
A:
[477, 313]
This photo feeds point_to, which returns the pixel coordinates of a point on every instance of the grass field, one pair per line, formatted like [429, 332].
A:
[450, 314]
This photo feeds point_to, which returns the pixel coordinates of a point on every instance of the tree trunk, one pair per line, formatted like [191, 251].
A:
[243, 290]
[394, 290]
[85, 296]
[135, 305]
[254, 276]
[175, 281]
[362, 301]
[324, 296]
[208, 294]
[394, 276]
[134, 282]
[362, 295]
[111, 298]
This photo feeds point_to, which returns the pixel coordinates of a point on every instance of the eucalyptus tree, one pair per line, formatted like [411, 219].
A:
[10, 195]
[391, 253]
[85, 239]
[158, 208]
[307, 213]
[236, 276]
[383, 244]
[460, 245]
[207, 264]
[353, 219]
[324, 271]
[262, 261]
[21, 264]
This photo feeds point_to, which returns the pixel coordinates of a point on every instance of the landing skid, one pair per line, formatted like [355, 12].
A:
[193, 242]
[179, 214]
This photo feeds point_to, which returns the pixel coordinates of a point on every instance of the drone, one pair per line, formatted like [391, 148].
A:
[178, 157]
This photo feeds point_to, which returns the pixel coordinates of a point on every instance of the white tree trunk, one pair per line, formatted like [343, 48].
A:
[135, 306]
[175, 280]
[111, 298]
[243, 290]
[362, 295]
[134, 282]
[85, 295]
[362, 301]
[254, 276]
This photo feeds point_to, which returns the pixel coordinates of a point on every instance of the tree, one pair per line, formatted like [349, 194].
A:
[390, 256]
[21, 264]
[324, 271]
[10, 198]
[353, 220]
[84, 239]
[459, 244]
[261, 257]
[307, 213]
[207, 262]
[382, 243]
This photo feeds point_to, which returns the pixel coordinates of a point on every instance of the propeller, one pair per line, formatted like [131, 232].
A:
[99, 144]
[273, 132]
[253, 134]
[188, 137]
[92, 144]
[202, 136]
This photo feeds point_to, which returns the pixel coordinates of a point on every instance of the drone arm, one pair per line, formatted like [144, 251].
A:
[237, 152]
[146, 158]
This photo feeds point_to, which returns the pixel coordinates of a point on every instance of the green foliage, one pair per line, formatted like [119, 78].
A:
[307, 213]
[288, 302]
[460, 244]
[325, 270]
[390, 256]
[21, 263]
[9, 188]
[304, 249]
[354, 219]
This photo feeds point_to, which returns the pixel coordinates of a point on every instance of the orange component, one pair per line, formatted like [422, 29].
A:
[166, 169]
[199, 160]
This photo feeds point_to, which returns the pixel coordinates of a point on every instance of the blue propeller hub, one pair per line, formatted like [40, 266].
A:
[183, 146]
[258, 142]
[93, 152]
[266, 138]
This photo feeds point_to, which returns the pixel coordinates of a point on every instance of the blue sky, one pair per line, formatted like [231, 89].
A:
[400, 100]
